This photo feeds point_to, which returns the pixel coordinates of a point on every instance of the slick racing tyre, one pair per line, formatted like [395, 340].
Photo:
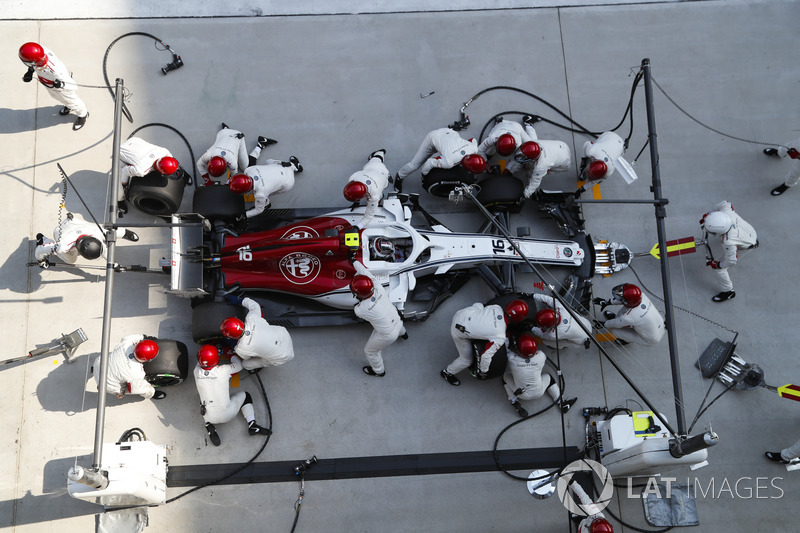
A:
[501, 191]
[441, 181]
[207, 317]
[170, 367]
[155, 194]
[217, 202]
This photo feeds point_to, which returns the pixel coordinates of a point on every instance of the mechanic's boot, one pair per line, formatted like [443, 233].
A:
[263, 142]
[450, 378]
[776, 456]
[296, 162]
[404, 336]
[724, 295]
[224, 126]
[159, 395]
[130, 236]
[380, 154]
[780, 189]
[80, 122]
[64, 111]
[523, 413]
[255, 429]
[212, 434]
[368, 371]
[122, 208]
[587, 344]
[771, 151]
[566, 405]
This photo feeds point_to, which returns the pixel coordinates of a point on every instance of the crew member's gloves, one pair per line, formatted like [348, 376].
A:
[44, 263]
[207, 180]
[601, 302]
[703, 220]
[398, 184]
[28, 76]
[58, 84]
[518, 392]
[793, 153]
[713, 264]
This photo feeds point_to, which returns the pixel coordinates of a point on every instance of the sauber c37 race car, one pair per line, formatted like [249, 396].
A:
[298, 263]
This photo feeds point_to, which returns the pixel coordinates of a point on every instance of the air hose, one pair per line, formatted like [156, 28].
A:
[176, 63]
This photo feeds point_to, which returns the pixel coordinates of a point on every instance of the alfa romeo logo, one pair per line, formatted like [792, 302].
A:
[300, 268]
[300, 232]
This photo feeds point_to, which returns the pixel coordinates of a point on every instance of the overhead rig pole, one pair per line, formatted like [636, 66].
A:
[109, 288]
[661, 214]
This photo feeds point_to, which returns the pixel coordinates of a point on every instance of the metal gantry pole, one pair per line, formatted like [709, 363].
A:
[109, 289]
[661, 214]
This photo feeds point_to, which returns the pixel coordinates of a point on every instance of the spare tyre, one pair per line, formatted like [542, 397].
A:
[170, 367]
[156, 194]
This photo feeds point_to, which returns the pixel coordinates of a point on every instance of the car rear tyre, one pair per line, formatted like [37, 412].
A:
[217, 202]
[155, 194]
[441, 181]
[170, 367]
[501, 191]
[207, 317]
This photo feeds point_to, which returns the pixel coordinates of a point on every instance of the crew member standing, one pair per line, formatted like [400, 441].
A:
[523, 377]
[477, 322]
[442, 148]
[374, 307]
[53, 74]
[555, 322]
[217, 405]
[228, 155]
[368, 184]
[258, 343]
[75, 237]
[735, 234]
[638, 321]
[125, 368]
[534, 159]
[792, 149]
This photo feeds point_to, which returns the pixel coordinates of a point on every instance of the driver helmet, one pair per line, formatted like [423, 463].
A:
[89, 247]
[145, 350]
[208, 356]
[217, 166]
[240, 183]
[548, 318]
[717, 223]
[528, 152]
[382, 248]
[627, 294]
[232, 328]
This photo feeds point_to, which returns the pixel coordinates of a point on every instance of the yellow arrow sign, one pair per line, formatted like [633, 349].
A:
[676, 247]
[792, 392]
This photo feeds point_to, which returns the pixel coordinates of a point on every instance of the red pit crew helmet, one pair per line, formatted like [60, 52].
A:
[232, 328]
[208, 356]
[145, 350]
[240, 183]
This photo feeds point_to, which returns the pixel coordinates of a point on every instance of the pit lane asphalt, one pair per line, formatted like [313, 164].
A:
[331, 89]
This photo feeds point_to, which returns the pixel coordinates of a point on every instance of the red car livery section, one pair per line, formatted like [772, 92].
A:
[296, 259]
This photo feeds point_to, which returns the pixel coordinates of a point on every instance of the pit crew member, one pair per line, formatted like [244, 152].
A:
[442, 148]
[75, 237]
[125, 368]
[368, 184]
[258, 343]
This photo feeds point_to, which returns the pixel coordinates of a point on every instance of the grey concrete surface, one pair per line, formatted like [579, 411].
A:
[331, 89]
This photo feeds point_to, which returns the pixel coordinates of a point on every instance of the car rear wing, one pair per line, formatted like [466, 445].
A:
[186, 256]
